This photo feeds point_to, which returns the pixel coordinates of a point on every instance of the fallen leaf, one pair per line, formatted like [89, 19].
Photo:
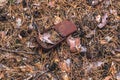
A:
[83, 49]
[74, 44]
[45, 38]
[65, 66]
[77, 43]
[104, 21]
[114, 12]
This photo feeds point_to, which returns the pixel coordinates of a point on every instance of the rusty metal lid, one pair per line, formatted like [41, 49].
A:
[65, 28]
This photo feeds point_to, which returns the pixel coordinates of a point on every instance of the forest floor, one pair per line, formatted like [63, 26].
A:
[90, 53]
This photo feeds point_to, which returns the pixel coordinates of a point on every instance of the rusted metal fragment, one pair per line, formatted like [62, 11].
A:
[65, 28]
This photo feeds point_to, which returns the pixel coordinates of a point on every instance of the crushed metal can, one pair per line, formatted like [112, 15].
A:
[64, 29]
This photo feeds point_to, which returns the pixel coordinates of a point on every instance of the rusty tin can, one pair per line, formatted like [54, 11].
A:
[64, 29]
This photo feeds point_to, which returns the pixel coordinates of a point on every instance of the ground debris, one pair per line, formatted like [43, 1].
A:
[45, 38]
[104, 21]
[94, 2]
[59, 40]
[3, 2]
[74, 44]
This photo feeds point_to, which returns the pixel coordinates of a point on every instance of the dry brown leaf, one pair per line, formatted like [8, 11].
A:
[74, 44]
[104, 21]
[45, 38]
[71, 42]
[65, 67]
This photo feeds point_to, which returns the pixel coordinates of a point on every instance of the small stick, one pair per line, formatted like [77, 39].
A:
[39, 75]
[118, 50]
[15, 51]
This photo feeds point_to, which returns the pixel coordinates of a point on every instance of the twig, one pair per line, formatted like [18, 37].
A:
[15, 51]
[117, 50]
[39, 75]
